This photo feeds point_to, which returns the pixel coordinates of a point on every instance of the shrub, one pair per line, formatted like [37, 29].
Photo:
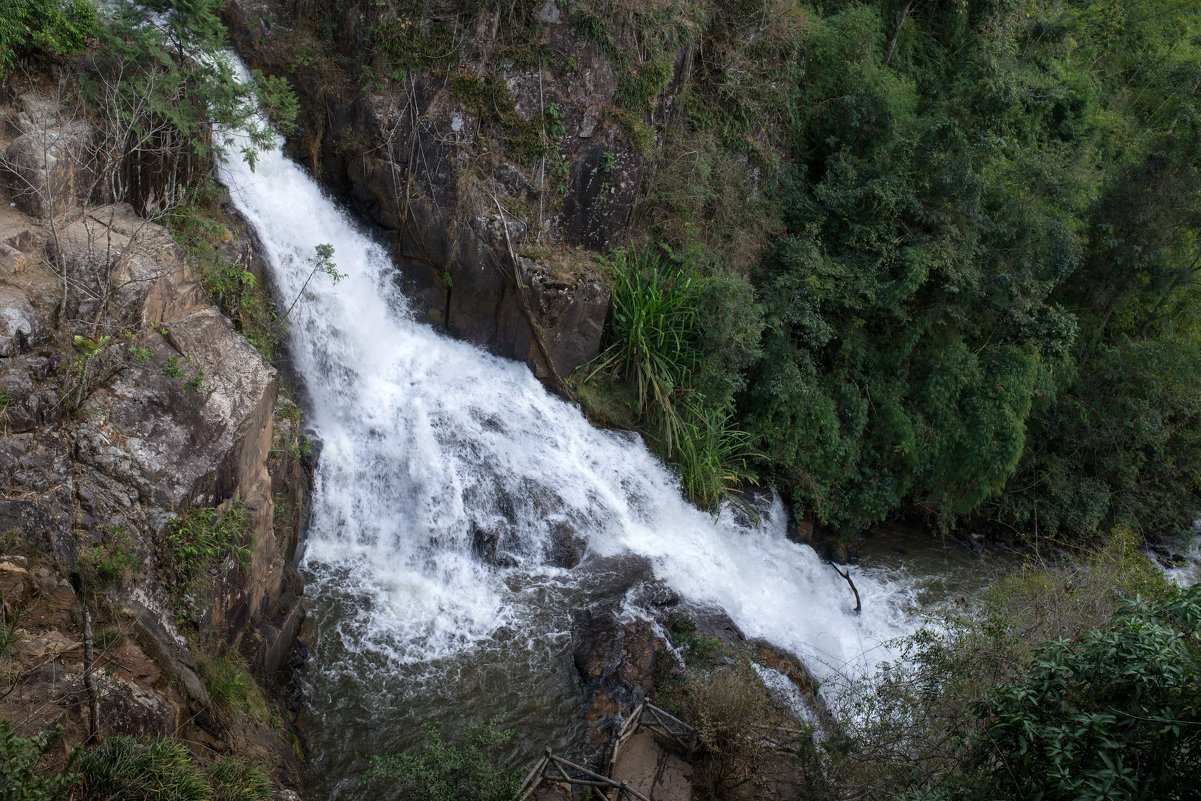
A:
[49, 27]
[126, 768]
[20, 760]
[109, 560]
[1057, 688]
[466, 771]
[197, 539]
[732, 712]
[1114, 716]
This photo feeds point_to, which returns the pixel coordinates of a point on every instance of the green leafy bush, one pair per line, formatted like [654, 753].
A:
[107, 561]
[44, 27]
[1116, 715]
[1078, 680]
[979, 304]
[22, 777]
[468, 771]
[199, 538]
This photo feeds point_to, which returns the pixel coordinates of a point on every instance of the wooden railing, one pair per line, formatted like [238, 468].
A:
[556, 769]
[658, 721]
[573, 775]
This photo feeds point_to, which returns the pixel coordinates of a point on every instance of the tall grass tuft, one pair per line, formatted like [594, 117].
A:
[140, 769]
[653, 334]
[235, 779]
[657, 347]
[712, 456]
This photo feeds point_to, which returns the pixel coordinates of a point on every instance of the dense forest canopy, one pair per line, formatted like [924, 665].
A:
[985, 299]
[982, 305]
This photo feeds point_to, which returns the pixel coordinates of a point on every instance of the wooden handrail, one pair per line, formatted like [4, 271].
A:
[645, 715]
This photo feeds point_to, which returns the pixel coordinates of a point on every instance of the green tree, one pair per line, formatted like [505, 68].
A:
[44, 27]
[991, 246]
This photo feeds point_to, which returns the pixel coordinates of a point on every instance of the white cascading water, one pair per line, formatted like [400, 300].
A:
[425, 439]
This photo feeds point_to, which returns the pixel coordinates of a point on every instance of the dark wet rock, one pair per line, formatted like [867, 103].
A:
[565, 548]
[460, 213]
[600, 197]
[484, 541]
[485, 544]
[657, 595]
[709, 621]
[615, 659]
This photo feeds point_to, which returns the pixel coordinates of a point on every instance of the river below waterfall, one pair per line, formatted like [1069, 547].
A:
[426, 440]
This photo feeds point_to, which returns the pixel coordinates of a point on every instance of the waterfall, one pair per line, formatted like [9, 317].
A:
[426, 440]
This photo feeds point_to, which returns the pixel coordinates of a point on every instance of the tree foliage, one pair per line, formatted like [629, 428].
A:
[43, 28]
[1073, 681]
[991, 254]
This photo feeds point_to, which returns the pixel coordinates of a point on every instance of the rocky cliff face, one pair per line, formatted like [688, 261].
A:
[127, 399]
[498, 176]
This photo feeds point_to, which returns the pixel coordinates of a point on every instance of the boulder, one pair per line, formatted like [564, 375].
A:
[21, 327]
[48, 169]
[135, 272]
[615, 658]
[176, 442]
[14, 585]
[571, 313]
[565, 548]
[52, 643]
[156, 636]
[129, 708]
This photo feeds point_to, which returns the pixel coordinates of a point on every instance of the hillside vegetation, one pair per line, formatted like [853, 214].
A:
[979, 299]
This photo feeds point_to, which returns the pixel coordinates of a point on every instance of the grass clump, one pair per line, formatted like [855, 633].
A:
[235, 779]
[700, 651]
[672, 339]
[233, 690]
[198, 539]
[126, 768]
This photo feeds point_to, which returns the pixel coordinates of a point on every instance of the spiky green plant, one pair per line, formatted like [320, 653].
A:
[712, 456]
[126, 768]
[652, 333]
[235, 779]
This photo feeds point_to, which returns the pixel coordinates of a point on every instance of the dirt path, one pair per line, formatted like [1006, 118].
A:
[652, 771]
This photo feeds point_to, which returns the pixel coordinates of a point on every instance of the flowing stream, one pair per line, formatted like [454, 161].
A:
[424, 440]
